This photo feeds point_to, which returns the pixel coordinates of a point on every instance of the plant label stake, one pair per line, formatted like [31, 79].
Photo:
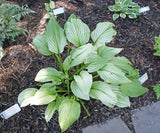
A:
[10, 111]
[143, 78]
[60, 11]
[144, 9]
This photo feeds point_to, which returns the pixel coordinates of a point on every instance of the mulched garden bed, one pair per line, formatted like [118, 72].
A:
[21, 62]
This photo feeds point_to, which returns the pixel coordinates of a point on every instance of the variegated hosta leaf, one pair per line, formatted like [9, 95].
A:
[108, 52]
[55, 37]
[94, 62]
[79, 54]
[69, 112]
[44, 95]
[82, 85]
[51, 108]
[26, 96]
[104, 93]
[122, 100]
[49, 74]
[103, 33]
[77, 32]
[111, 74]
[133, 89]
[41, 44]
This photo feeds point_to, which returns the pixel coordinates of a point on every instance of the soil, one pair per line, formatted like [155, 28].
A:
[21, 62]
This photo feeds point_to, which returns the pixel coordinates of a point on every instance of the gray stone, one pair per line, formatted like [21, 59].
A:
[147, 119]
[115, 125]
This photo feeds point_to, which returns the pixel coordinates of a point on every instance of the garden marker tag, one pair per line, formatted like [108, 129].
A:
[10, 111]
[143, 9]
[58, 11]
[143, 78]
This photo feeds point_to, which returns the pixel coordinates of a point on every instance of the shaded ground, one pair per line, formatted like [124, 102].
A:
[21, 62]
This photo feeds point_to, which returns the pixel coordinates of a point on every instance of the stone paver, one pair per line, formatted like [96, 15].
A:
[147, 119]
[115, 125]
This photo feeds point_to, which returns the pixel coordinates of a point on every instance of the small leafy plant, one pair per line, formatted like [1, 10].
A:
[49, 8]
[156, 88]
[157, 46]
[9, 28]
[124, 8]
[91, 70]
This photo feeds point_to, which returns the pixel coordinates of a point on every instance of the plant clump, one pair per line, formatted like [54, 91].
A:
[124, 8]
[91, 70]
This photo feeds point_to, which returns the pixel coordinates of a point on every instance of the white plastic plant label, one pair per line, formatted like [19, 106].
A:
[144, 9]
[58, 11]
[10, 111]
[143, 78]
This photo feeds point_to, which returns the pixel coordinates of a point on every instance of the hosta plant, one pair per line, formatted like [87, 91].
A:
[157, 46]
[49, 8]
[124, 8]
[90, 70]
[10, 14]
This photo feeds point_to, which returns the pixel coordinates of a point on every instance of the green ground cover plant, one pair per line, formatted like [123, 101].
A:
[9, 28]
[157, 46]
[156, 88]
[90, 70]
[124, 8]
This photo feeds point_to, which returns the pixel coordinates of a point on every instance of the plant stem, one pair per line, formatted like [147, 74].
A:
[59, 59]
[68, 84]
[84, 107]
[95, 76]
[79, 70]
[56, 60]
[68, 48]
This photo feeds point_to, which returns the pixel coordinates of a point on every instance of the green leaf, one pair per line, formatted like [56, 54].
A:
[72, 16]
[52, 5]
[51, 108]
[122, 100]
[94, 62]
[111, 8]
[104, 93]
[108, 52]
[44, 95]
[79, 54]
[26, 96]
[133, 15]
[111, 74]
[69, 112]
[77, 32]
[55, 37]
[156, 88]
[126, 2]
[59, 100]
[115, 16]
[133, 89]
[49, 74]
[47, 7]
[41, 44]
[103, 33]
[82, 85]
[122, 15]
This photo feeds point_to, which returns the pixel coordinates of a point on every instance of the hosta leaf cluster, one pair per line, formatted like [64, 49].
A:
[9, 28]
[91, 70]
[157, 46]
[124, 8]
